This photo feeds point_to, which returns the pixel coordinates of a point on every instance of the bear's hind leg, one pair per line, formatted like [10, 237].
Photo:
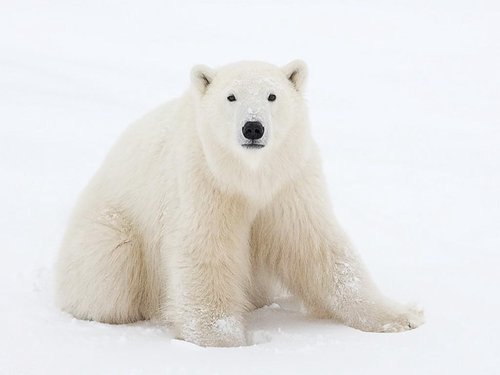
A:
[99, 275]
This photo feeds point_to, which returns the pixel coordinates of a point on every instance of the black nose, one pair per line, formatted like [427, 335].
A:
[253, 130]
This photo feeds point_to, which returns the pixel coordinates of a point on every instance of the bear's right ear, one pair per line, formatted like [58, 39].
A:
[201, 77]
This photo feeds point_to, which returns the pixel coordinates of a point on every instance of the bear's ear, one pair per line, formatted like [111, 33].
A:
[296, 72]
[201, 77]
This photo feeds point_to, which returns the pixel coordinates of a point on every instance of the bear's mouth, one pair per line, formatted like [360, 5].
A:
[252, 145]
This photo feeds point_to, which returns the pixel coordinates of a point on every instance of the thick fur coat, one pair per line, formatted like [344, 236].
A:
[206, 201]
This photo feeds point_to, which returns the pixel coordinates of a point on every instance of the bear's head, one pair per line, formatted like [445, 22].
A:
[252, 120]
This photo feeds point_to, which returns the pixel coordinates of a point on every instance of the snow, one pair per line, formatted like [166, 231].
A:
[404, 100]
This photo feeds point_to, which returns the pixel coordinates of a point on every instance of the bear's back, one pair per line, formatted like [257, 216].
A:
[135, 163]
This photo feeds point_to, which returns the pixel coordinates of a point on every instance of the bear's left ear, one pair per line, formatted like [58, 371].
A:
[201, 77]
[296, 72]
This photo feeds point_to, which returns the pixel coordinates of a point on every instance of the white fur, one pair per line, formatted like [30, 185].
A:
[183, 224]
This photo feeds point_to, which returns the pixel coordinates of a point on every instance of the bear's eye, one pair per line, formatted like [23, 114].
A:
[271, 97]
[231, 98]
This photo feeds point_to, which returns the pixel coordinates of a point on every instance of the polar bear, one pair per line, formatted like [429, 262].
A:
[204, 203]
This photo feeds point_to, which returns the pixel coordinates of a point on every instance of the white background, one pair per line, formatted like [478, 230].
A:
[404, 99]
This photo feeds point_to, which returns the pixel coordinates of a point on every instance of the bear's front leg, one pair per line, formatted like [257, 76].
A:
[298, 238]
[208, 270]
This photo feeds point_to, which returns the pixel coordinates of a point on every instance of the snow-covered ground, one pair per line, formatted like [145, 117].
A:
[405, 103]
